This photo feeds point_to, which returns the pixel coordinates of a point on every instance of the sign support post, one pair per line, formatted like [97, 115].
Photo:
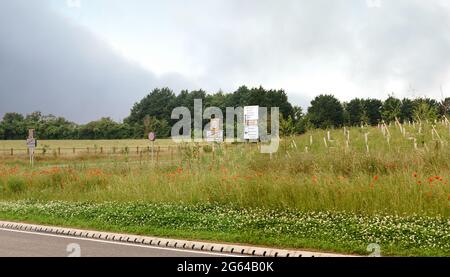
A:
[31, 143]
[152, 138]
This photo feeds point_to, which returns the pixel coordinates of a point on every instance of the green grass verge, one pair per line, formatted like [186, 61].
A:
[326, 231]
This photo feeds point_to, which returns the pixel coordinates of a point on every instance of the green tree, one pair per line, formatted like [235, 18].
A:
[444, 107]
[52, 127]
[159, 103]
[407, 110]
[287, 126]
[391, 109]
[326, 111]
[372, 111]
[13, 126]
[425, 111]
[105, 128]
[356, 112]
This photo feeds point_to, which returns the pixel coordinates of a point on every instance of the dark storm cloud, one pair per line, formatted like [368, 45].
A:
[49, 64]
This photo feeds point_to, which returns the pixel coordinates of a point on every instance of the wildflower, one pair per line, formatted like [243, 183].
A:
[419, 182]
[415, 175]
[375, 178]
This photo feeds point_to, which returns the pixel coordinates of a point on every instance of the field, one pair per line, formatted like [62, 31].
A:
[336, 190]
[82, 144]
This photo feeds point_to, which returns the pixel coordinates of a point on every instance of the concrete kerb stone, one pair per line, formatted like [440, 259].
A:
[170, 243]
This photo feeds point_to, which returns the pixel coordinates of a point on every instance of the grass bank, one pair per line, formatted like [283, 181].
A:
[327, 231]
[338, 190]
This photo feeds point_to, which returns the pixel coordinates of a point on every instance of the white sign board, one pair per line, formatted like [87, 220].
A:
[214, 136]
[251, 112]
[251, 116]
[31, 143]
[215, 124]
[251, 132]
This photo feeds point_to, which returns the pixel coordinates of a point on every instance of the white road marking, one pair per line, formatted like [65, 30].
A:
[123, 243]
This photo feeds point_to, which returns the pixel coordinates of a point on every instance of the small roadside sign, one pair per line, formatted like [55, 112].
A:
[251, 117]
[31, 143]
[152, 136]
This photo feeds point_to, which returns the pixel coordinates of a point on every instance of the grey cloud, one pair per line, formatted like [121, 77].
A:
[50, 64]
[403, 40]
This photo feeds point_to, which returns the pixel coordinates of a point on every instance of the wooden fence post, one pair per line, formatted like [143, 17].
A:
[59, 151]
[73, 150]
[12, 152]
[137, 150]
[87, 149]
[101, 150]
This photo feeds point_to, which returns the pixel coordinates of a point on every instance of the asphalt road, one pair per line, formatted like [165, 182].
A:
[15, 243]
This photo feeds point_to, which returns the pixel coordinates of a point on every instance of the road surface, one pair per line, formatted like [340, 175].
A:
[14, 243]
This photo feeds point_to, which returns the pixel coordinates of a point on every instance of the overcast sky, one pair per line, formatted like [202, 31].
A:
[89, 59]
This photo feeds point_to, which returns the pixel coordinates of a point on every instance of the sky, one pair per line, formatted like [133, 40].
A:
[90, 59]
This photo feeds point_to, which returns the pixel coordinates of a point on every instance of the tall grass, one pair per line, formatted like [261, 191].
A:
[351, 171]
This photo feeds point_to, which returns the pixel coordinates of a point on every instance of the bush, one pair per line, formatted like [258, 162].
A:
[16, 184]
[207, 149]
[2, 185]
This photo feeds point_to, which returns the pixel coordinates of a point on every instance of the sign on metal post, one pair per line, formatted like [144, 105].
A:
[251, 117]
[215, 133]
[152, 136]
[31, 144]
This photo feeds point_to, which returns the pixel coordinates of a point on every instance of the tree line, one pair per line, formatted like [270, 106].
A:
[153, 113]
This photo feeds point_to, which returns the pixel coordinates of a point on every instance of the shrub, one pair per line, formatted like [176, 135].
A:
[207, 149]
[16, 184]
[2, 185]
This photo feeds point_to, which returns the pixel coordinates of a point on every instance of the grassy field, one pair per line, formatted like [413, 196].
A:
[53, 144]
[358, 186]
